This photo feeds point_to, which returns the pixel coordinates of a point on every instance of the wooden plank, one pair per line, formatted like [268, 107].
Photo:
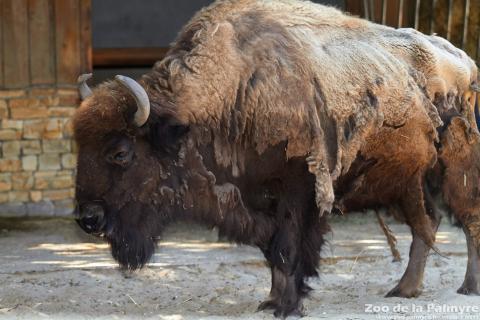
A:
[378, 10]
[86, 36]
[15, 44]
[1, 45]
[472, 40]
[478, 49]
[355, 7]
[42, 46]
[67, 27]
[131, 57]
[409, 11]
[425, 16]
[440, 16]
[392, 13]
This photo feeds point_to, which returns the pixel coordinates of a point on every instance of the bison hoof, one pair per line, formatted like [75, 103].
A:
[281, 311]
[403, 293]
[268, 305]
[286, 311]
[469, 291]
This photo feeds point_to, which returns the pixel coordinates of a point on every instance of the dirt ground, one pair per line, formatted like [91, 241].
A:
[50, 270]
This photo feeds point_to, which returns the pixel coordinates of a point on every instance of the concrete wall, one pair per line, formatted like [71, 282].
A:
[146, 23]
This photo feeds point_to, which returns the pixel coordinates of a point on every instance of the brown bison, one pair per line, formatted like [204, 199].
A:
[263, 115]
[455, 185]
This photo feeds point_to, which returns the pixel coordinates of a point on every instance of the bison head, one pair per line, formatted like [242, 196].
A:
[131, 176]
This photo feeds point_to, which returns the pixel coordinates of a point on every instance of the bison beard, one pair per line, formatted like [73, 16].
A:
[263, 115]
[132, 247]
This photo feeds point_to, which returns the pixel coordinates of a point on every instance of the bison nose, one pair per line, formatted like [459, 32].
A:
[90, 217]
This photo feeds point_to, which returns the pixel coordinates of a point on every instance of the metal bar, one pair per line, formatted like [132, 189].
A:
[417, 13]
[478, 49]
[372, 10]
[366, 12]
[400, 14]
[449, 21]
[432, 21]
[384, 11]
[465, 23]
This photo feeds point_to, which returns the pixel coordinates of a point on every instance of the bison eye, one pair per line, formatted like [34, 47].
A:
[121, 157]
[120, 151]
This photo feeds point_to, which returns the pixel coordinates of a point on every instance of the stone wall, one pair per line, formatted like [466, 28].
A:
[37, 160]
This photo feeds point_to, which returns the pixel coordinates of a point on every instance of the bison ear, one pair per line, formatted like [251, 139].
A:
[165, 133]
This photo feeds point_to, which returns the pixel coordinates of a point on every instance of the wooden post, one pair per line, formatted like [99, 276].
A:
[15, 43]
[41, 31]
[44, 42]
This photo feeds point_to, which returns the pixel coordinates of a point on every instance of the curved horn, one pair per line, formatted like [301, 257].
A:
[141, 98]
[475, 87]
[83, 88]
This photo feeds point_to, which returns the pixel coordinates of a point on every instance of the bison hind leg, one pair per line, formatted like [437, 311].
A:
[391, 239]
[471, 284]
[411, 282]
[424, 227]
[468, 290]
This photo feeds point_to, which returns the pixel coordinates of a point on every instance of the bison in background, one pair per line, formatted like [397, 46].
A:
[262, 116]
[455, 183]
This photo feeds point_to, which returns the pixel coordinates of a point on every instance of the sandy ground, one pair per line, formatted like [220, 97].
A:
[51, 270]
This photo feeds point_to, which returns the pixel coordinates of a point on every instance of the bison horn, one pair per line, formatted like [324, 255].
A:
[83, 88]
[141, 98]
[475, 87]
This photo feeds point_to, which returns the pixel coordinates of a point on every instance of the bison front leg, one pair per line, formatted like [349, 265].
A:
[471, 284]
[293, 255]
[290, 236]
[288, 287]
[278, 285]
[411, 281]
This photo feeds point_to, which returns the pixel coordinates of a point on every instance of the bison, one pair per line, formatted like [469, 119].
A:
[455, 186]
[451, 187]
[263, 116]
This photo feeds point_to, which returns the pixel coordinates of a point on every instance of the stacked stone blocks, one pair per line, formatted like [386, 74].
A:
[37, 153]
